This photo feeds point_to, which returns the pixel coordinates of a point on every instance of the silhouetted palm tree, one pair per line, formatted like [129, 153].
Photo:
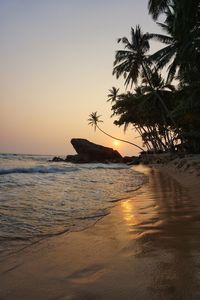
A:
[156, 109]
[181, 37]
[152, 101]
[182, 57]
[143, 110]
[132, 61]
[94, 120]
[113, 94]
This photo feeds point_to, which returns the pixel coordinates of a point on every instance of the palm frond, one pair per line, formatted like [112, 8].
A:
[156, 7]
[94, 119]
[161, 38]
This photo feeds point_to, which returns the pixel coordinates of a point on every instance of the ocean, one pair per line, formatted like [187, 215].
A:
[40, 199]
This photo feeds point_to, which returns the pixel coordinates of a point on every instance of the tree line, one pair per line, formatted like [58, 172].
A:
[163, 109]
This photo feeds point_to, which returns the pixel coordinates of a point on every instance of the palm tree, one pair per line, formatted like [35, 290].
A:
[132, 61]
[151, 102]
[181, 37]
[94, 120]
[182, 56]
[162, 106]
[113, 94]
[143, 110]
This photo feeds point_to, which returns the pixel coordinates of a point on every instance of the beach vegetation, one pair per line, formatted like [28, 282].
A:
[162, 97]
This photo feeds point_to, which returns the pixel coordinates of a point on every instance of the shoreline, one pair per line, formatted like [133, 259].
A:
[101, 261]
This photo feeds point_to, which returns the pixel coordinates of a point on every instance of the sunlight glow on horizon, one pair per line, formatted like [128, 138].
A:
[116, 143]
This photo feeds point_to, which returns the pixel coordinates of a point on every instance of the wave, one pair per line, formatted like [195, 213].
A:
[114, 166]
[8, 155]
[37, 169]
[25, 157]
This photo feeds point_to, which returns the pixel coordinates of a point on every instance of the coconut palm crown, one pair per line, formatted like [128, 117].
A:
[94, 120]
[133, 60]
[113, 94]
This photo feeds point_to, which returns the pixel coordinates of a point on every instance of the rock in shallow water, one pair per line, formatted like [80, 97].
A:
[57, 158]
[89, 152]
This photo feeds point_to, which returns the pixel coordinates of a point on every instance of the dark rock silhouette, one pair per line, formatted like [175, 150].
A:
[57, 159]
[88, 152]
[131, 160]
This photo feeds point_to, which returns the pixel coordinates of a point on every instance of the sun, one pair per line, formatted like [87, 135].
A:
[116, 143]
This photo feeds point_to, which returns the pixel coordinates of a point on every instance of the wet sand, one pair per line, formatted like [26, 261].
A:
[147, 248]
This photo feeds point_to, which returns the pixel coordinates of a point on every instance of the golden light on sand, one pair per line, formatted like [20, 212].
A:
[128, 211]
[116, 143]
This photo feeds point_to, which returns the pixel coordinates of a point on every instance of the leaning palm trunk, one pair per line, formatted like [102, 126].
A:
[121, 140]
[94, 120]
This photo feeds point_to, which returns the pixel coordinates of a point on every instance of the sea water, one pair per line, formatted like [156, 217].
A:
[39, 198]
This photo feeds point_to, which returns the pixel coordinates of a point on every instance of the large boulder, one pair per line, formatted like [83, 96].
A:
[90, 152]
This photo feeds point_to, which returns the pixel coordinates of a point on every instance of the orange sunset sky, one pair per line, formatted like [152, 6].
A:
[56, 61]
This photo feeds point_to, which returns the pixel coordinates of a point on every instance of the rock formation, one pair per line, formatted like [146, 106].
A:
[88, 152]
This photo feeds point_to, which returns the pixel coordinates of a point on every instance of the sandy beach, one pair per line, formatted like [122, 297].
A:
[148, 247]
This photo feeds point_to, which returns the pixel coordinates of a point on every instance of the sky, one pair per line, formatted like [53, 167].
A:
[56, 60]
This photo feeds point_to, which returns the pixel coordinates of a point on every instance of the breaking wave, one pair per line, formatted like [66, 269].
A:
[37, 169]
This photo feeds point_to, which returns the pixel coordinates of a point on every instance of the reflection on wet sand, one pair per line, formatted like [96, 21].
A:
[128, 210]
[165, 223]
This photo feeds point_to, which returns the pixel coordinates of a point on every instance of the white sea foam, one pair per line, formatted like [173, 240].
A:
[37, 169]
